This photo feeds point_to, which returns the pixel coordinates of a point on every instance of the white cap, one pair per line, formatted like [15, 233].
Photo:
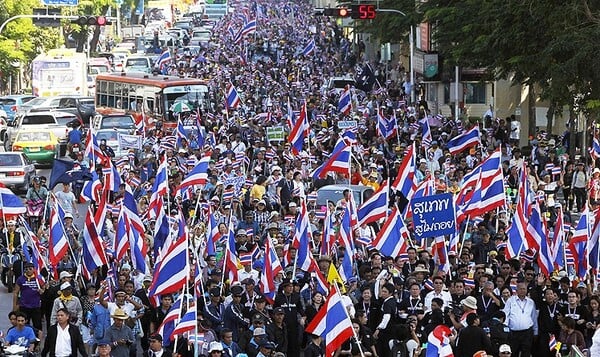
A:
[65, 285]
[215, 346]
[69, 215]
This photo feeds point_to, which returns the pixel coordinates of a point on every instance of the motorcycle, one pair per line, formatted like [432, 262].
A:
[12, 267]
[75, 149]
[15, 350]
[35, 212]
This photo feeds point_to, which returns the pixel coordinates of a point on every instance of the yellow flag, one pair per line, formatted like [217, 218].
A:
[334, 277]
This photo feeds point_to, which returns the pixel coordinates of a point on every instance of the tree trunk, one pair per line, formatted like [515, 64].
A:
[532, 121]
[550, 117]
[572, 132]
[95, 39]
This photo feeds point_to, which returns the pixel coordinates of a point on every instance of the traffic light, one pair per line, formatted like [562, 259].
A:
[91, 20]
[363, 11]
[336, 12]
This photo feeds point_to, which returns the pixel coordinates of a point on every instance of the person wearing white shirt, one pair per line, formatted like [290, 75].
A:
[521, 318]
[438, 292]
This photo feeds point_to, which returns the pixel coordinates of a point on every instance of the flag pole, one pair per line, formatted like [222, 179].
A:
[462, 242]
[227, 248]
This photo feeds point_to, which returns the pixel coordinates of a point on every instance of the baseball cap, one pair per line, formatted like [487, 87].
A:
[504, 348]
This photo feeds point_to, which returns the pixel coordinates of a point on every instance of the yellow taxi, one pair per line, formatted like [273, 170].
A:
[40, 146]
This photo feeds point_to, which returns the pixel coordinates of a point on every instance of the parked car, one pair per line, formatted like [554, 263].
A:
[40, 146]
[16, 170]
[12, 103]
[82, 107]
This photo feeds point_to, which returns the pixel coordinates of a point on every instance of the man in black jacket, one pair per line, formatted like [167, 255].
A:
[55, 347]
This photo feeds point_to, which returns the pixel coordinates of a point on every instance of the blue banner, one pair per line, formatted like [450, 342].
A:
[433, 216]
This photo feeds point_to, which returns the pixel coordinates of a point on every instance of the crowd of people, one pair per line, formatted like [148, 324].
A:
[492, 305]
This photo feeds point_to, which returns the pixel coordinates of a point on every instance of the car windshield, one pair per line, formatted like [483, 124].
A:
[7, 101]
[64, 120]
[41, 136]
[37, 101]
[107, 135]
[137, 62]
[10, 160]
[118, 122]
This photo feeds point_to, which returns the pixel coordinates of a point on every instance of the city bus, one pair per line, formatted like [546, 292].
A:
[60, 71]
[130, 92]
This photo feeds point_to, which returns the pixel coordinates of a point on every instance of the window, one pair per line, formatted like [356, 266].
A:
[475, 93]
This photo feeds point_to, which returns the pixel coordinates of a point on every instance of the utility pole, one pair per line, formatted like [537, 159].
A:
[411, 42]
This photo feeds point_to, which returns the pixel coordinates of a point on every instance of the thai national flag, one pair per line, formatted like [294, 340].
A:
[464, 141]
[578, 244]
[517, 237]
[10, 204]
[309, 49]
[375, 207]
[438, 342]
[231, 259]
[272, 267]
[164, 60]
[593, 243]
[386, 127]
[198, 175]
[440, 254]
[249, 28]
[187, 323]
[168, 325]
[426, 137]
[93, 255]
[338, 161]
[552, 343]
[332, 323]
[171, 272]
[112, 179]
[536, 229]
[57, 241]
[302, 238]
[345, 102]
[136, 232]
[180, 133]
[393, 237]
[93, 151]
[405, 180]
[233, 98]
[160, 189]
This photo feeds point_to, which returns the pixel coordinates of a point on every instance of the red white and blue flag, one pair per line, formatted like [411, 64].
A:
[406, 172]
[187, 323]
[272, 267]
[309, 49]
[199, 174]
[10, 204]
[298, 128]
[57, 241]
[338, 161]
[233, 99]
[332, 323]
[438, 342]
[517, 232]
[537, 230]
[386, 128]
[171, 272]
[345, 102]
[93, 254]
[393, 238]
[231, 259]
[464, 141]
[578, 244]
[376, 207]
[168, 325]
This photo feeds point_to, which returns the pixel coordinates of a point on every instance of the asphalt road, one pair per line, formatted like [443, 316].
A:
[5, 297]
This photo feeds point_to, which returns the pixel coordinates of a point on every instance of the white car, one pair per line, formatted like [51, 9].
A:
[16, 170]
[112, 140]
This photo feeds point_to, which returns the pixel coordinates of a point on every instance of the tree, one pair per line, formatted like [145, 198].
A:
[81, 33]
[21, 41]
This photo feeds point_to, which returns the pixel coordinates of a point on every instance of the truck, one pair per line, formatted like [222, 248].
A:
[59, 71]
[132, 31]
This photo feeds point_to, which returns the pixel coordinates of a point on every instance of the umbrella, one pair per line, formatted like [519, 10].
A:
[180, 107]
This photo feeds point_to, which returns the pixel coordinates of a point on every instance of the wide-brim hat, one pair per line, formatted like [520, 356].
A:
[469, 302]
[120, 314]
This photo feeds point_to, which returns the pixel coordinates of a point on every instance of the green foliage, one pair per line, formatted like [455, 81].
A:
[550, 44]
[20, 41]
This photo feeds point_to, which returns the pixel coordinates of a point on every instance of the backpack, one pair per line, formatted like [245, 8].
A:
[399, 349]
